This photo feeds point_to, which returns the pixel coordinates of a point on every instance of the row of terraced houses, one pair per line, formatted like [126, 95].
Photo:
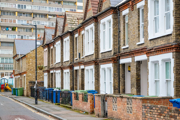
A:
[117, 46]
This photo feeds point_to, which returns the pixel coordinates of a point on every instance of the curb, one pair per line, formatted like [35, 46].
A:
[38, 109]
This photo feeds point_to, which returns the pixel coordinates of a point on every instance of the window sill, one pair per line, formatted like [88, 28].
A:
[76, 58]
[57, 62]
[140, 43]
[66, 60]
[106, 51]
[125, 47]
[160, 35]
[88, 54]
[82, 57]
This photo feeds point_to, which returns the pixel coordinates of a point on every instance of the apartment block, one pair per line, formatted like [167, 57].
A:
[14, 13]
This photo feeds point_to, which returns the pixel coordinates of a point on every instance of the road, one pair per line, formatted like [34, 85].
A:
[12, 110]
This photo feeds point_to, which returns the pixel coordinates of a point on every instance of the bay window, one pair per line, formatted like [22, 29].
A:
[58, 52]
[106, 79]
[89, 39]
[89, 78]
[66, 49]
[160, 18]
[106, 34]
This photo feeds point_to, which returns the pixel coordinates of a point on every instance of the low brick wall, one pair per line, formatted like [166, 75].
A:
[160, 112]
[129, 108]
[81, 105]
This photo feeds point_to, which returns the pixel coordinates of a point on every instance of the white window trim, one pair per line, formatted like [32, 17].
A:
[140, 22]
[141, 4]
[125, 12]
[162, 31]
[105, 21]
[82, 32]
[89, 68]
[66, 71]
[126, 60]
[76, 68]
[58, 44]
[106, 67]
[46, 82]
[66, 59]
[58, 72]
[161, 59]
[140, 58]
[76, 37]
[88, 28]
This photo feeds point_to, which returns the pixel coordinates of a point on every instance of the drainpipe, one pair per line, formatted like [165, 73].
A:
[73, 61]
[119, 44]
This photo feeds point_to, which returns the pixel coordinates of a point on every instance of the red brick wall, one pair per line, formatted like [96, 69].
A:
[159, 112]
[81, 105]
[98, 106]
[121, 112]
[130, 108]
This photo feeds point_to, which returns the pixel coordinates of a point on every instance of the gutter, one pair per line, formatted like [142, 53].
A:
[119, 45]
[73, 61]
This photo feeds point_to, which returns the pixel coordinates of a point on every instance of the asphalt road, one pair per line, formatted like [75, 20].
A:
[12, 110]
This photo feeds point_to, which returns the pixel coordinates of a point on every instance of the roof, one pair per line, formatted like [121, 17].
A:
[122, 1]
[48, 34]
[71, 20]
[25, 46]
[115, 2]
[94, 5]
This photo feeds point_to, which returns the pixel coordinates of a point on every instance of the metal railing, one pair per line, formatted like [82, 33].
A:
[85, 97]
[65, 97]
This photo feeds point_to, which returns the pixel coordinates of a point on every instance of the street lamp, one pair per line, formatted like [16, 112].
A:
[35, 59]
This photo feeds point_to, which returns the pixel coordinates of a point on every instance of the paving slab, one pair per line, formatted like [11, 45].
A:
[52, 108]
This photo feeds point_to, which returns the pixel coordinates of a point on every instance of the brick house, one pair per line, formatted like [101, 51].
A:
[122, 47]
[24, 64]
[149, 48]
[67, 41]
[48, 49]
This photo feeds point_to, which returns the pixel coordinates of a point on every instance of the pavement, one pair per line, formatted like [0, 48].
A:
[50, 109]
[11, 110]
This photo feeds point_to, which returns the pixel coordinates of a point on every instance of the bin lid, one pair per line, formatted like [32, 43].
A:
[138, 95]
[64, 90]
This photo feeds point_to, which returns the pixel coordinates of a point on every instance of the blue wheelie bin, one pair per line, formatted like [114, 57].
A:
[12, 90]
[58, 96]
[93, 92]
[175, 102]
[71, 96]
[54, 96]
[50, 94]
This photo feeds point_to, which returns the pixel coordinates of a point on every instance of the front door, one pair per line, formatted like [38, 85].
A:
[127, 78]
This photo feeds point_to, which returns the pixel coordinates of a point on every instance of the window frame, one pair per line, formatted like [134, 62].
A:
[58, 52]
[89, 44]
[66, 49]
[162, 25]
[109, 89]
[66, 79]
[105, 34]
[89, 80]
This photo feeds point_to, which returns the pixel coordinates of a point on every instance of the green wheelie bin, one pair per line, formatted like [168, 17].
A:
[14, 91]
[20, 91]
